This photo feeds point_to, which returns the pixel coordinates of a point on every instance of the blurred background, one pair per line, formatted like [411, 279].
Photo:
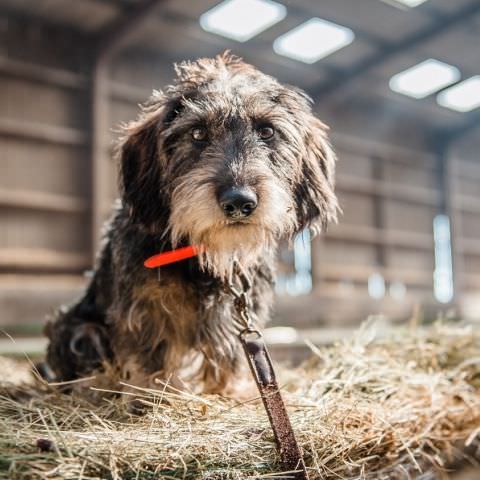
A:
[397, 81]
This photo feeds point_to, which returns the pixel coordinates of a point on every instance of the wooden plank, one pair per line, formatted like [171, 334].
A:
[100, 168]
[27, 300]
[120, 113]
[416, 219]
[27, 229]
[470, 225]
[128, 93]
[68, 79]
[402, 192]
[455, 215]
[411, 258]
[274, 336]
[42, 201]
[414, 175]
[42, 132]
[322, 336]
[357, 209]
[361, 273]
[466, 203]
[40, 73]
[44, 167]
[40, 282]
[357, 294]
[32, 259]
[369, 148]
[471, 281]
[344, 253]
[371, 235]
[331, 304]
[39, 103]
[468, 170]
[470, 246]
[353, 165]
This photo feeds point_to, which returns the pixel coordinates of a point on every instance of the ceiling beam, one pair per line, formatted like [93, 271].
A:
[117, 35]
[118, 3]
[343, 80]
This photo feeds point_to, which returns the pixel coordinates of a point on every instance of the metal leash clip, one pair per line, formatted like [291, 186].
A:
[241, 299]
[262, 370]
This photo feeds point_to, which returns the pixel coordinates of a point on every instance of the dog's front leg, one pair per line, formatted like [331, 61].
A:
[228, 377]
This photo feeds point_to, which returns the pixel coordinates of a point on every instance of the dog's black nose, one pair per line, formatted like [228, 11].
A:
[238, 202]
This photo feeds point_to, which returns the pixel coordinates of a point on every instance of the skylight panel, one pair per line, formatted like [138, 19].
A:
[405, 3]
[463, 97]
[425, 78]
[242, 20]
[313, 40]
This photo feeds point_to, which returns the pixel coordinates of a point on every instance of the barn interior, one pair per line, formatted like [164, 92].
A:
[408, 174]
[398, 83]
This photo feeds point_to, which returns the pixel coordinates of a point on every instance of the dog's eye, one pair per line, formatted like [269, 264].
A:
[265, 132]
[199, 134]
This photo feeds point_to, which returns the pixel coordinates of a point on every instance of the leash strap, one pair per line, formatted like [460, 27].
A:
[263, 372]
[258, 359]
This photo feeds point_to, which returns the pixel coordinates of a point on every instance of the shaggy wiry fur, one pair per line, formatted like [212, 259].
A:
[176, 324]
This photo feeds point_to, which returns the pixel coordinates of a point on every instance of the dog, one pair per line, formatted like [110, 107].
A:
[227, 158]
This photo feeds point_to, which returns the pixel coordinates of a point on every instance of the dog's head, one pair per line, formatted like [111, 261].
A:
[230, 159]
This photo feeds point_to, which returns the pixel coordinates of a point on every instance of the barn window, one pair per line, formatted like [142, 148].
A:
[443, 274]
[295, 271]
[376, 286]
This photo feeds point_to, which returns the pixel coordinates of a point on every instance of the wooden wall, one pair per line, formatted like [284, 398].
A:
[389, 195]
[44, 171]
[464, 173]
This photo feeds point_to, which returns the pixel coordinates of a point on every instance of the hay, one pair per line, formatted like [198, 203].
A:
[361, 409]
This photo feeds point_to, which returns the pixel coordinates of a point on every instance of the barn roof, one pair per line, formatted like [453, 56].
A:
[352, 82]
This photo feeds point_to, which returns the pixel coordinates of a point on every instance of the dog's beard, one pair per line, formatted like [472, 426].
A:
[197, 217]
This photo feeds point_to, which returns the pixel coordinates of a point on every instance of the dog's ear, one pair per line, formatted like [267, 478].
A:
[141, 182]
[316, 203]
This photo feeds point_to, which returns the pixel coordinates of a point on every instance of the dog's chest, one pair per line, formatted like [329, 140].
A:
[175, 312]
[172, 329]
[168, 309]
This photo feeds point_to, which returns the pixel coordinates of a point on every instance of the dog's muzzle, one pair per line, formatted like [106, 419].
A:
[238, 202]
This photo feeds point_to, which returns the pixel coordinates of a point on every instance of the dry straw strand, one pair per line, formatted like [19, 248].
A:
[392, 408]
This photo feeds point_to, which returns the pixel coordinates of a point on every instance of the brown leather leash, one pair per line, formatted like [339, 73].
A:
[262, 370]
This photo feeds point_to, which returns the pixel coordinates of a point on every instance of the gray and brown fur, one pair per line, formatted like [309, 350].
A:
[176, 325]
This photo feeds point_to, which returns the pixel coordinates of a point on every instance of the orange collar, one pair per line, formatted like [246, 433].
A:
[172, 256]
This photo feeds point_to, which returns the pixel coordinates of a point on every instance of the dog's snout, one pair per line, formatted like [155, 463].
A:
[238, 202]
